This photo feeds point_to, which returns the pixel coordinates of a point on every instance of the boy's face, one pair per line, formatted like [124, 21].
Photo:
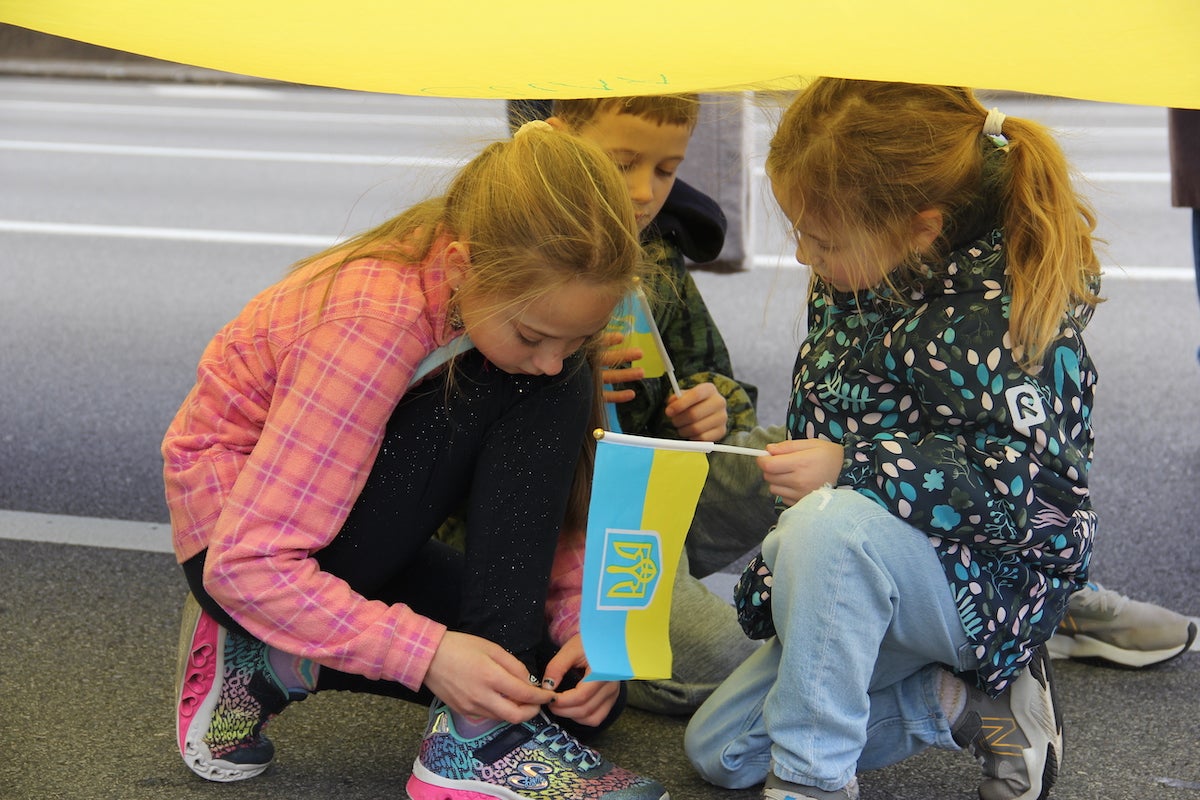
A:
[647, 153]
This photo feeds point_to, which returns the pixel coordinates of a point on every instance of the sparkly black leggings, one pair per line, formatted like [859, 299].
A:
[502, 449]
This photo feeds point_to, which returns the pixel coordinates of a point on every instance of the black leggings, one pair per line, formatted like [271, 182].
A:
[502, 449]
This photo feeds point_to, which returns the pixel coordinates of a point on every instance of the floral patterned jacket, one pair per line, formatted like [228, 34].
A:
[942, 428]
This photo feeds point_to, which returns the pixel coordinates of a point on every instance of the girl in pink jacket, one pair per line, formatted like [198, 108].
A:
[440, 361]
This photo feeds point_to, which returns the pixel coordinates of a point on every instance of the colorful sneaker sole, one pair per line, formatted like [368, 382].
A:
[419, 787]
[200, 669]
[1081, 646]
[426, 785]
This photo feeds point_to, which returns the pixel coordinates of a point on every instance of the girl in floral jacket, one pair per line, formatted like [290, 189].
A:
[935, 478]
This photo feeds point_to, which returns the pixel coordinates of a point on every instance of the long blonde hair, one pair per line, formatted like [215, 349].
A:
[874, 154]
[538, 211]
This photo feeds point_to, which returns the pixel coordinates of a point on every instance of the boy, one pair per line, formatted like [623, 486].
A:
[648, 138]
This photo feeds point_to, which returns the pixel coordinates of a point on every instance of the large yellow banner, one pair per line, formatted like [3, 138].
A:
[1142, 52]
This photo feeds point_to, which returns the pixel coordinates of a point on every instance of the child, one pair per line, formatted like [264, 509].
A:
[310, 465]
[938, 513]
[648, 139]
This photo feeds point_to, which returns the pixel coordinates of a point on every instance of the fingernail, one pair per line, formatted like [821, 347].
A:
[548, 683]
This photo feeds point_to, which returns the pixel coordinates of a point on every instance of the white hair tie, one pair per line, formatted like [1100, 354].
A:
[993, 128]
[533, 124]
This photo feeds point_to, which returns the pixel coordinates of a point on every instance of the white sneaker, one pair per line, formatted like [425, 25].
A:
[1104, 624]
[777, 788]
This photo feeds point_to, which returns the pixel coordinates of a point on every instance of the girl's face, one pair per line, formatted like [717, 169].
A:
[849, 259]
[535, 339]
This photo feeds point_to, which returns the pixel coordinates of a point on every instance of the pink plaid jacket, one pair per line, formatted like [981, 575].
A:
[273, 444]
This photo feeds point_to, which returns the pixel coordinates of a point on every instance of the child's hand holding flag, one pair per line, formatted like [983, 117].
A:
[640, 342]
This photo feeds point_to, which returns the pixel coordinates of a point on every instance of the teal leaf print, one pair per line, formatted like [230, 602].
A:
[853, 400]
[1066, 365]
[971, 621]
[945, 518]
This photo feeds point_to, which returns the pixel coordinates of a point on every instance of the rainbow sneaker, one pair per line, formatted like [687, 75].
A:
[535, 760]
[227, 693]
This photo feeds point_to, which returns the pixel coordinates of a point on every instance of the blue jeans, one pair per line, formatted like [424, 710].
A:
[865, 621]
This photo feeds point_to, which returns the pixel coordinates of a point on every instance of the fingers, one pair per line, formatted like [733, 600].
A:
[589, 702]
[615, 356]
[477, 677]
[623, 375]
[569, 656]
[619, 395]
[699, 413]
[611, 338]
[798, 467]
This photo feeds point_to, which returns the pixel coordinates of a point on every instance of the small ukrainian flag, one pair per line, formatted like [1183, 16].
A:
[634, 319]
[642, 504]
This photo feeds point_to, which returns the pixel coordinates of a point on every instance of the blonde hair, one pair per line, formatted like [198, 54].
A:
[866, 153]
[664, 109]
[536, 212]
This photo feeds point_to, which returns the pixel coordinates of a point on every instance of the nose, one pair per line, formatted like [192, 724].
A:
[802, 256]
[641, 186]
[549, 362]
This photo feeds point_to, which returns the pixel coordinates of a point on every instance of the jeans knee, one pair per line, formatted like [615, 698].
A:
[706, 757]
[825, 523]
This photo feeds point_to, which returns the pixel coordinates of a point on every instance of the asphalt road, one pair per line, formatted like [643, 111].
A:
[137, 217]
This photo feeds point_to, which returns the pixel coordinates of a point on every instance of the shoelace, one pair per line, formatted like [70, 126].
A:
[1101, 599]
[568, 747]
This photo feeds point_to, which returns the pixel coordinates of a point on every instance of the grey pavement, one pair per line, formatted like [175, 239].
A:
[88, 633]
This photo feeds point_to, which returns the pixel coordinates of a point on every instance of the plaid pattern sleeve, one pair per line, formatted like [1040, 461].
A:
[566, 587]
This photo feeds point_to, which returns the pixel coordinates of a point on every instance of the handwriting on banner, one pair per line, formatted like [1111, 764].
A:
[617, 87]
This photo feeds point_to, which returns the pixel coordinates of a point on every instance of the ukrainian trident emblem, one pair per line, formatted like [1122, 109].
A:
[630, 569]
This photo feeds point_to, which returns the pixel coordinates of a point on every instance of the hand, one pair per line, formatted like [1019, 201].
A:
[589, 702]
[799, 466]
[613, 356]
[481, 679]
[699, 413]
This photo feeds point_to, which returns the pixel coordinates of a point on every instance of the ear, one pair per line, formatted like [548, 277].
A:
[458, 253]
[925, 228]
[557, 124]
[457, 258]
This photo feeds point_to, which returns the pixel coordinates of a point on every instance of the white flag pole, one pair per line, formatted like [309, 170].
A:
[674, 444]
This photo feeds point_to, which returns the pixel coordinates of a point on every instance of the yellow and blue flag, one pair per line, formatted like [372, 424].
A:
[633, 319]
[643, 501]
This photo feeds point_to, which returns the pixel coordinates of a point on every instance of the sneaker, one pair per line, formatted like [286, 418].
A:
[1017, 737]
[227, 692]
[534, 760]
[777, 788]
[1104, 624]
